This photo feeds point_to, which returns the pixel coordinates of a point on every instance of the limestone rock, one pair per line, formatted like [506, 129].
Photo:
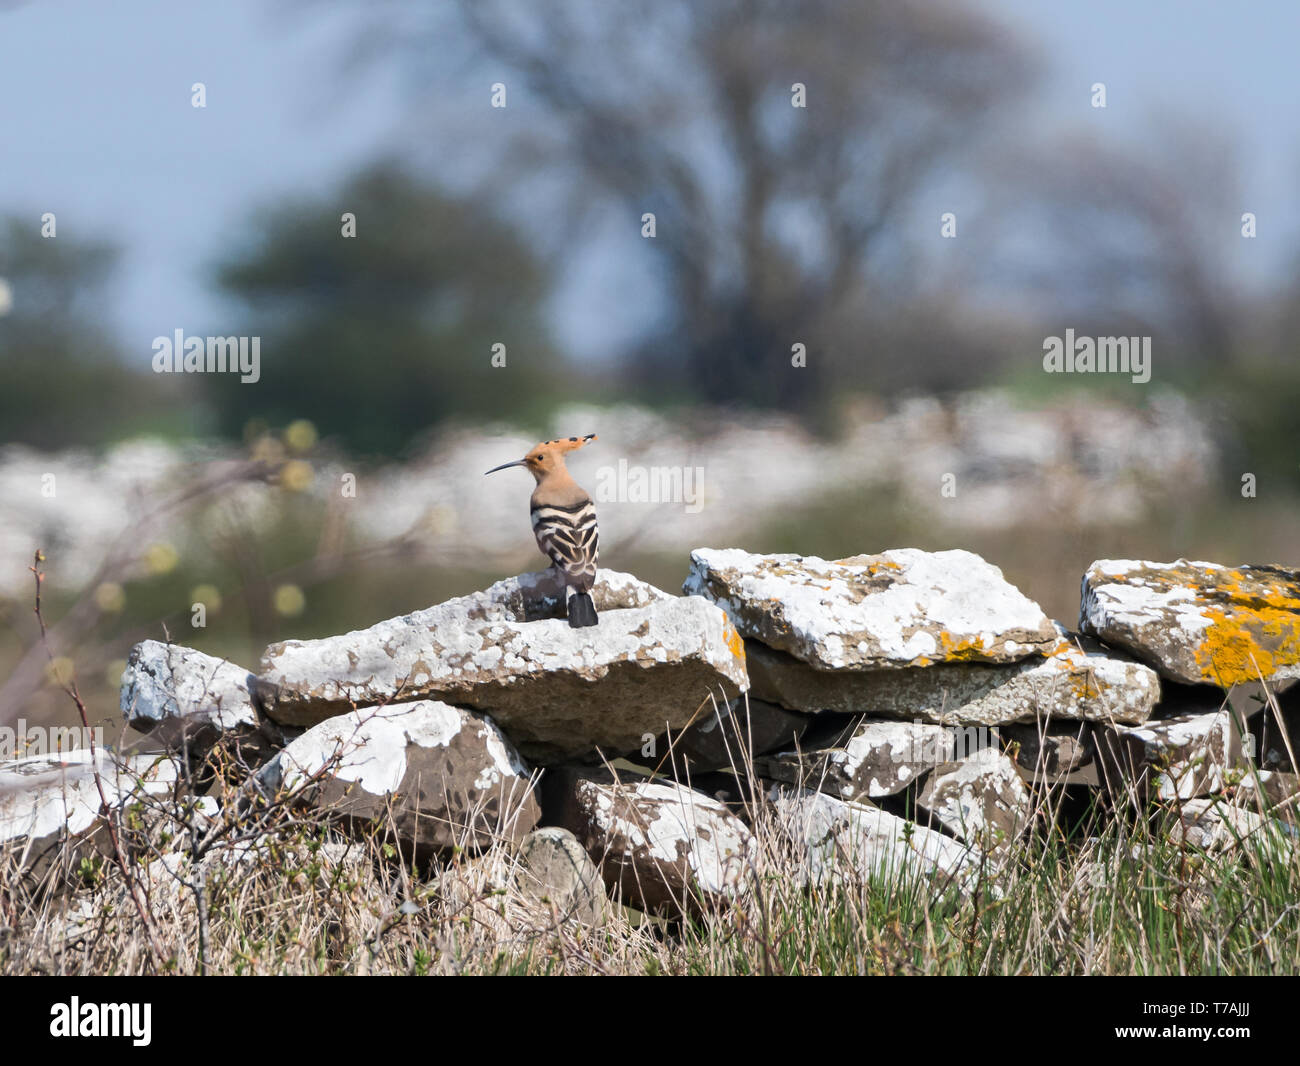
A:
[979, 799]
[1198, 622]
[876, 759]
[1071, 682]
[50, 804]
[902, 608]
[42, 794]
[188, 700]
[437, 776]
[660, 846]
[1217, 827]
[557, 692]
[1182, 757]
[537, 596]
[836, 841]
[554, 870]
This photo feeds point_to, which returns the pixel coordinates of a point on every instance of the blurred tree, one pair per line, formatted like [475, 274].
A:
[1132, 240]
[64, 382]
[1260, 390]
[773, 219]
[376, 338]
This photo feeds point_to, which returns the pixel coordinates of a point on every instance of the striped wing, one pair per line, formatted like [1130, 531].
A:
[568, 537]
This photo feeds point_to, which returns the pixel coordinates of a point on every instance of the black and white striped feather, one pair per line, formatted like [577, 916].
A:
[568, 536]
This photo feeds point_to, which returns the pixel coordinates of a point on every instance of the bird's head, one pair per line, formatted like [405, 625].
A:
[547, 457]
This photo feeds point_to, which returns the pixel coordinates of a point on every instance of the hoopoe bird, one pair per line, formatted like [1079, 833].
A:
[564, 523]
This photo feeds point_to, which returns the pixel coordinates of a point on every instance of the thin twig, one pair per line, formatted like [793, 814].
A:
[106, 810]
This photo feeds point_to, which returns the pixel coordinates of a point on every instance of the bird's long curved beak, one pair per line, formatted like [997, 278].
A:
[505, 466]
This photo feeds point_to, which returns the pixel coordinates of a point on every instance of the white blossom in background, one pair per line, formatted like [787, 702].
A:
[1083, 462]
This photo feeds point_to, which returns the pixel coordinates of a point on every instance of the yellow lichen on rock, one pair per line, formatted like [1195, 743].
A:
[733, 639]
[1084, 685]
[1256, 633]
[971, 650]
[1200, 623]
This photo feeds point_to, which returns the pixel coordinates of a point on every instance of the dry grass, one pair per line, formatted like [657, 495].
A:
[284, 894]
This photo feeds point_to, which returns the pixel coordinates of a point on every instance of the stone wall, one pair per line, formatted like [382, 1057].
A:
[908, 709]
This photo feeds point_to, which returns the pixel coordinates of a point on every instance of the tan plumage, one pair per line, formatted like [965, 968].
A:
[564, 523]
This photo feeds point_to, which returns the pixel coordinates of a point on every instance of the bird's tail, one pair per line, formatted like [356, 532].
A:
[582, 611]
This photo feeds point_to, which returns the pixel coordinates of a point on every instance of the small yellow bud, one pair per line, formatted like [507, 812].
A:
[110, 597]
[160, 559]
[297, 475]
[289, 601]
[208, 595]
[300, 435]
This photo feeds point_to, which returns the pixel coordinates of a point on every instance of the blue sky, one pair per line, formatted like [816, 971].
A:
[97, 124]
[1229, 64]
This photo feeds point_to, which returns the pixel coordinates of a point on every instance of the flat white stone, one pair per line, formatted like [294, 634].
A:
[980, 799]
[175, 692]
[837, 841]
[1176, 758]
[46, 794]
[878, 759]
[663, 846]
[1076, 680]
[1198, 622]
[901, 608]
[557, 692]
[443, 772]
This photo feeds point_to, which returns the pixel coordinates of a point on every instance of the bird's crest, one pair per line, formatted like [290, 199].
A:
[548, 457]
[566, 444]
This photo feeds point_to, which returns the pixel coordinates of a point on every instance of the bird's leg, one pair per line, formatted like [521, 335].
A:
[561, 590]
